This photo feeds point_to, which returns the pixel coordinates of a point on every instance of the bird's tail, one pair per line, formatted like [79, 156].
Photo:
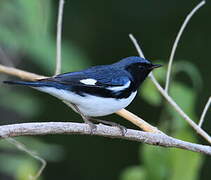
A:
[26, 83]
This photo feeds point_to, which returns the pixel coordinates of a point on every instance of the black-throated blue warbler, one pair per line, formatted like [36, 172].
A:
[98, 90]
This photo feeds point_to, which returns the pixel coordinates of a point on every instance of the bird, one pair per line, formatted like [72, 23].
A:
[99, 90]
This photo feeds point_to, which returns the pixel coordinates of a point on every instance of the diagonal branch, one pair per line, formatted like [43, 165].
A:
[204, 112]
[138, 121]
[102, 130]
[33, 154]
[20, 73]
[187, 19]
[59, 37]
[197, 128]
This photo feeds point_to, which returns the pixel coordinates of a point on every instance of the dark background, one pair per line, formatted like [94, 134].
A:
[99, 30]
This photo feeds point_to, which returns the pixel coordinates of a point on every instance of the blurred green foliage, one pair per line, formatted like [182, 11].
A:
[12, 102]
[28, 29]
[162, 163]
[24, 21]
[20, 165]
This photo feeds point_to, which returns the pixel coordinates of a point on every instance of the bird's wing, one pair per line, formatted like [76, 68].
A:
[97, 77]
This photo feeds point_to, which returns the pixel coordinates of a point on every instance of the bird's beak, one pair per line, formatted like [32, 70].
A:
[155, 66]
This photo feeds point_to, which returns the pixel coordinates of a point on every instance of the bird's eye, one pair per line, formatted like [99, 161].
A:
[140, 66]
[144, 66]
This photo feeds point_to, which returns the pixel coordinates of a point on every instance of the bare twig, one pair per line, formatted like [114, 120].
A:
[159, 139]
[204, 112]
[137, 121]
[32, 77]
[101, 130]
[189, 16]
[23, 148]
[198, 129]
[27, 76]
[137, 46]
[20, 73]
[59, 37]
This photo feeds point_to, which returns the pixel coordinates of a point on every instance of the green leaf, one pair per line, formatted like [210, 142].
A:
[133, 173]
[19, 167]
[185, 165]
[150, 93]
[26, 170]
[191, 70]
[156, 162]
[185, 97]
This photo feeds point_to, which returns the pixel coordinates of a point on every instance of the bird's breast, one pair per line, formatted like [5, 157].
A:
[91, 105]
[98, 106]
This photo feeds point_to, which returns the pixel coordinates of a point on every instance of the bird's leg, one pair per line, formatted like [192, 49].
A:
[89, 120]
[122, 128]
[85, 118]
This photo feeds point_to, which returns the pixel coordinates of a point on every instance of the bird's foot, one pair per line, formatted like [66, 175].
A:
[123, 129]
[86, 119]
[92, 126]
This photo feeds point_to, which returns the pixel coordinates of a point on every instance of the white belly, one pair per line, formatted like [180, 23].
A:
[90, 105]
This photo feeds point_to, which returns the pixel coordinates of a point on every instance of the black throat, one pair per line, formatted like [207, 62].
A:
[138, 76]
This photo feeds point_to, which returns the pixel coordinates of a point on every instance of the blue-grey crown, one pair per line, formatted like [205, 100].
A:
[131, 60]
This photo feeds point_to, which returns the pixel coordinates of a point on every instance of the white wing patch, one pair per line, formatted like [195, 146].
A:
[120, 88]
[88, 81]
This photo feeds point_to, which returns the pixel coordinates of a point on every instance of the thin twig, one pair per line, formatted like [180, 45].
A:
[101, 130]
[204, 112]
[27, 76]
[31, 76]
[137, 46]
[187, 19]
[59, 37]
[20, 73]
[138, 121]
[198, 129]
[23, 148]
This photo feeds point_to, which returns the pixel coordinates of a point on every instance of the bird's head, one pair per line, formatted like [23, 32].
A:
[138, 67]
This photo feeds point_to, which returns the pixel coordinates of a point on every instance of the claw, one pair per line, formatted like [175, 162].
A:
[122, 129]
[92, 126]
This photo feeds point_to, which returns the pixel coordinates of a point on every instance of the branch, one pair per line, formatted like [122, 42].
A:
[59, 37]
[197, 128]
[204, 112]
[101, 130]
[20, 73]
[187, 19]
[138, 121]
[33, 154]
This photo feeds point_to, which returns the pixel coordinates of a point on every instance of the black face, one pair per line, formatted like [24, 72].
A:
[139, 71]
